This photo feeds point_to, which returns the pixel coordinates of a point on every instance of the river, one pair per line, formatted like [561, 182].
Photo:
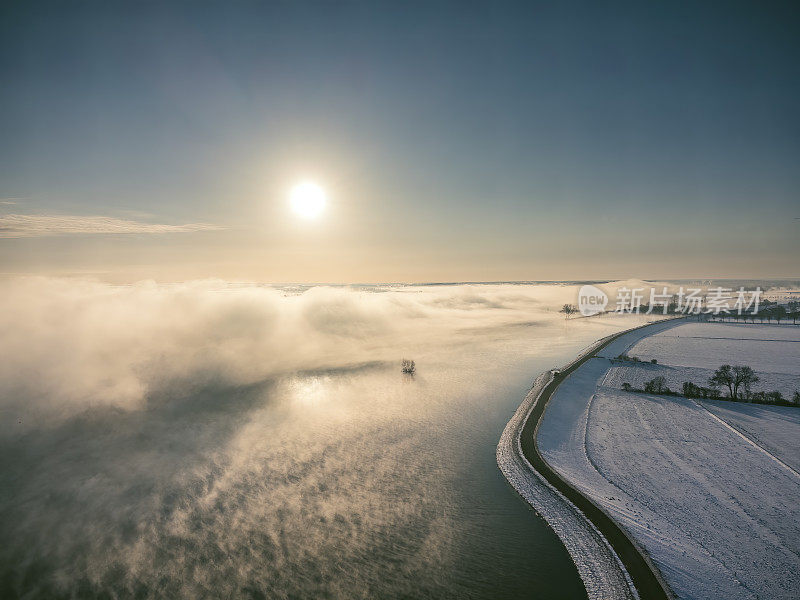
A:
[356, 482]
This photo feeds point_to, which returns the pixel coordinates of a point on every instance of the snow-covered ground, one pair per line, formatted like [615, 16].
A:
[710, 490]
[692, 351]
[775, 428]
[768, 348]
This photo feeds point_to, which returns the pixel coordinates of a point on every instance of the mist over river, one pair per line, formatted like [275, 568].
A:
[219, 440]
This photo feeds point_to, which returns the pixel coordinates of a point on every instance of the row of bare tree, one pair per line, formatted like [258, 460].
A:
[738, 380]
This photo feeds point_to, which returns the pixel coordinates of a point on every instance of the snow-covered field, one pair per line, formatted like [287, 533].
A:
[768, 348]
[710, 490]
[775, 428]
[692, 351]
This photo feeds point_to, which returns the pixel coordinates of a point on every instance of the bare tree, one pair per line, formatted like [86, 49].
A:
[690, 390]
[744, 377]
[734, 378]
[723, 377]
[657, 385]
[793, 313]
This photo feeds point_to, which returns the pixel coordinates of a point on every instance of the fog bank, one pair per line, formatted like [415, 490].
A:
[71, 344]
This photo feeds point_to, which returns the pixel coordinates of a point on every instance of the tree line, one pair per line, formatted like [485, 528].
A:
[768, 312]
[737, 381]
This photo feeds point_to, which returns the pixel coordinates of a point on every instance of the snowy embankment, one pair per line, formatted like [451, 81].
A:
[599, 567]
[710, 491]
[603, 574]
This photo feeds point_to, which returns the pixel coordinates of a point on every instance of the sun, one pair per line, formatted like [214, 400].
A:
[307, 199]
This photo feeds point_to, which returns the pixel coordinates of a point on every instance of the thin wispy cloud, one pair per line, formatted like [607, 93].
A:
[25, 226]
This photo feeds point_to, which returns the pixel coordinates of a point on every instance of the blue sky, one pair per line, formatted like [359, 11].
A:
[457, 141]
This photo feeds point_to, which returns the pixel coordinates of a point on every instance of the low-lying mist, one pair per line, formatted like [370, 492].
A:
[70, 344]
[209, 439]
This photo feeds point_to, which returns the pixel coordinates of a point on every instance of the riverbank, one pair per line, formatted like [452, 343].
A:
[609, 563]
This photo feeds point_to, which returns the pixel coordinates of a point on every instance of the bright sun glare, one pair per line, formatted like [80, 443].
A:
[307, 199]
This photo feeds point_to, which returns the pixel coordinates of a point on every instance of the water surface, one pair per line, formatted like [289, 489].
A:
[351, 482]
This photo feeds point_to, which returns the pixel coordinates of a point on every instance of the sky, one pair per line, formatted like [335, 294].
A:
[455, 141]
